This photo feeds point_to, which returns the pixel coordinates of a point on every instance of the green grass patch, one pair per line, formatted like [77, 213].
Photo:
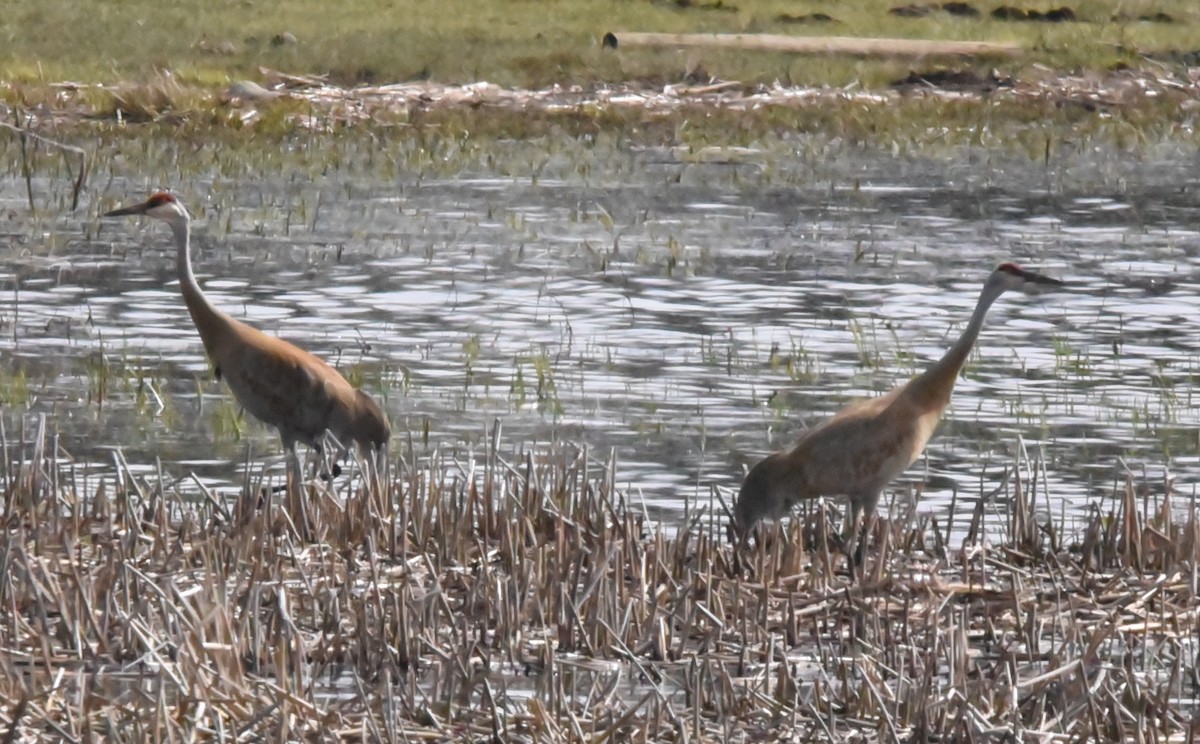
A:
[531, 42]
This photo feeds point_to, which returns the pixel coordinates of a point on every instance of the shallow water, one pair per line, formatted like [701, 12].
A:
[692, 315]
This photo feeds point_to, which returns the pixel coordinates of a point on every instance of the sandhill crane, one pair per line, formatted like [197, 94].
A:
[858, 451]
[279, 383]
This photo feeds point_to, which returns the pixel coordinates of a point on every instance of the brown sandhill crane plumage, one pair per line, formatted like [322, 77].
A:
[858, 451]
[279, 383]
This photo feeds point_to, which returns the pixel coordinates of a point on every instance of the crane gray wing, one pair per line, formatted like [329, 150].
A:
[861, 451]
[281, 391]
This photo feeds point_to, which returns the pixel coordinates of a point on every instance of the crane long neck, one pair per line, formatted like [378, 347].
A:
[203, 313]
[939, 379]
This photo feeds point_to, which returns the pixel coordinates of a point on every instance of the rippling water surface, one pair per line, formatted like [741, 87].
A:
[692, 315]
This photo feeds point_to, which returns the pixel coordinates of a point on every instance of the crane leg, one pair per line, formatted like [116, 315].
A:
[851, 542]
[864, 533]
[331, 468]
[377, 461]
[297, 500]
[856, 542]
[295, 468]
[296, 472]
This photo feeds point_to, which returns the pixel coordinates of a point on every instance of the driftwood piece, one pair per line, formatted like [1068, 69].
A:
[859, 47]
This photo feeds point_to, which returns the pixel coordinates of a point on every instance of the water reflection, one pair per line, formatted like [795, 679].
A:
[691, 316]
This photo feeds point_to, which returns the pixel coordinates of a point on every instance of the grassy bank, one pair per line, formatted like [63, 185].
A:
[1117, 72]
[530, 43]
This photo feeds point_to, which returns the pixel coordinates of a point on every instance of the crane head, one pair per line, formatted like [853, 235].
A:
[769, 491]
[1010, 276]
[162, 205]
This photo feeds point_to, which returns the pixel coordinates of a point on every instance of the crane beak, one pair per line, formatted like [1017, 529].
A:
[123, 211]
[1030, 276]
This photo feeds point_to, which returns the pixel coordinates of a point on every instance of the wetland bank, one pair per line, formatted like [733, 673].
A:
[583, 321]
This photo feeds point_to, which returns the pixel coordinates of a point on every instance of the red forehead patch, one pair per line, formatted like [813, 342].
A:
[161, 198]
[1010, 268]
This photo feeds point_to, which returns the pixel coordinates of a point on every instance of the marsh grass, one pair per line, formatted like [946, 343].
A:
[14, 387]
[510, 592]
[789, 142]
[801, 365]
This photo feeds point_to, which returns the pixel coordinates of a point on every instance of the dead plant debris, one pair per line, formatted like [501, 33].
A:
[514, 594]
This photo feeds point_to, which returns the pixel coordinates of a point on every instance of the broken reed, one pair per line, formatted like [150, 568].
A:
[512, 594]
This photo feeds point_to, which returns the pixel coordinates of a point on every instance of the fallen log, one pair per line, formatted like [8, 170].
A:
[859, 47]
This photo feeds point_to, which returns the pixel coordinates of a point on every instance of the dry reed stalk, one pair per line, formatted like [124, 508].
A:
[518, 596]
